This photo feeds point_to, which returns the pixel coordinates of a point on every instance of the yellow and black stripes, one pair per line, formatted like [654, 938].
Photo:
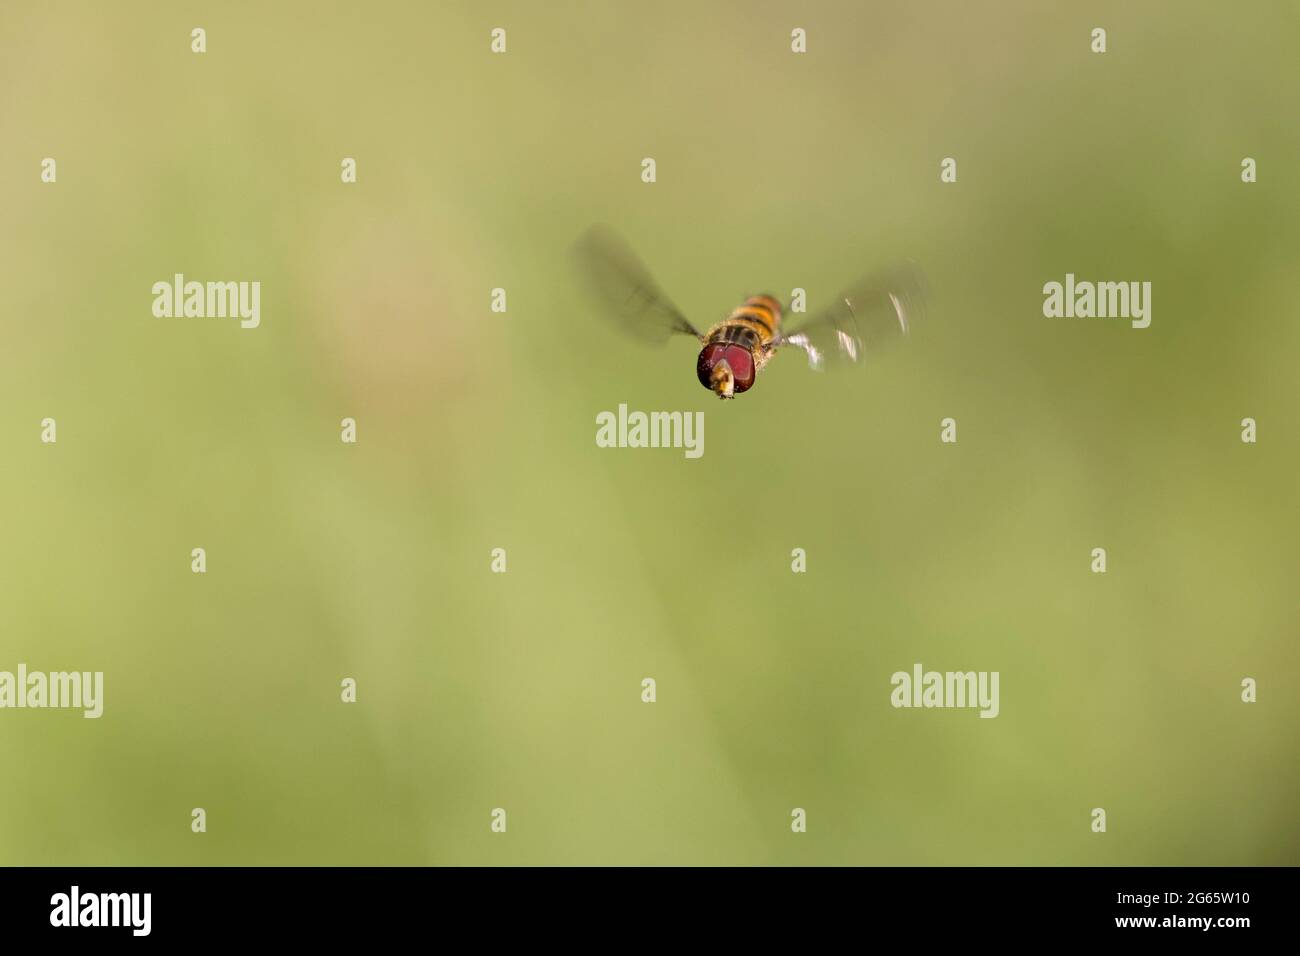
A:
[762, 314]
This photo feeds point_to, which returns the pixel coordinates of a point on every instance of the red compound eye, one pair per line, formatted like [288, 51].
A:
[741, 361]
[737, 356]
[709, 356]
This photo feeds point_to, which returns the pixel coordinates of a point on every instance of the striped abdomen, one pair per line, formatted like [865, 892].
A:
[762, 314]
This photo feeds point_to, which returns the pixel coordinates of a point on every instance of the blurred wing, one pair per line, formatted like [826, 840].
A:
[626, 292]
[863, 320]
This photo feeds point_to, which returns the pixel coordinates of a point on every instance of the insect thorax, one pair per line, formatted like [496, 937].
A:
[733, 332]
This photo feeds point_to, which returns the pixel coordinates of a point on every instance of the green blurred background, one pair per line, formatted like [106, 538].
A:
[476, 431]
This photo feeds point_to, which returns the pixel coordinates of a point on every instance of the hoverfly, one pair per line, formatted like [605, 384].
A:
[865, 317]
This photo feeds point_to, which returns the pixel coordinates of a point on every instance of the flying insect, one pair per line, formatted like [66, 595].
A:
[733, 351]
